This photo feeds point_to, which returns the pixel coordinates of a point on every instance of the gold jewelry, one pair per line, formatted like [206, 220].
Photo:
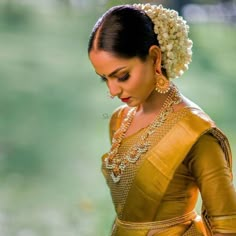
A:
[162, 84]
[117, 163]
[171, 31]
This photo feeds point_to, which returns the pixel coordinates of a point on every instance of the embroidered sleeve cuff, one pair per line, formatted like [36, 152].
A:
[223, 224]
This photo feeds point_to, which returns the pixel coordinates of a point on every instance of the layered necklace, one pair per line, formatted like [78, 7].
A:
[116, 162]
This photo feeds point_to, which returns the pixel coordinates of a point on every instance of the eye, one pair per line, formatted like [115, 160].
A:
[103, 79]
[124, 78]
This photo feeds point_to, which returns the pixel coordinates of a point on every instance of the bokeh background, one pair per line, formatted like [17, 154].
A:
[54, 111]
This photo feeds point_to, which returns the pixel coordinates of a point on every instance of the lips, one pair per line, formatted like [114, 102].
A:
[125, 99]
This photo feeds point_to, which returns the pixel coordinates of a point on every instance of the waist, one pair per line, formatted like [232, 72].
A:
[156, 224]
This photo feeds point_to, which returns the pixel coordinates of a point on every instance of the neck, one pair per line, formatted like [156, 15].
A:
[153, 104]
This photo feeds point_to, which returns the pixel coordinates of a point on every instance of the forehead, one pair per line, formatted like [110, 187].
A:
[105, 62]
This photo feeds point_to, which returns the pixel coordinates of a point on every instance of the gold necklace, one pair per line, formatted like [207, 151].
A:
[117, 163]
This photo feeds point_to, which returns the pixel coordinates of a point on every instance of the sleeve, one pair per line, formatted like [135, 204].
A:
[115, 120]
[214, 179]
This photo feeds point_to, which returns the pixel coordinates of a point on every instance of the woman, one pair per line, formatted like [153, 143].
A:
[164, 148]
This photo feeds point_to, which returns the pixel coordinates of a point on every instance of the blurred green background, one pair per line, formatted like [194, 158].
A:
[54, 112]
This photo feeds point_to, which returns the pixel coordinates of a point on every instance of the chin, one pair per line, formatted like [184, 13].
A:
[133, 104]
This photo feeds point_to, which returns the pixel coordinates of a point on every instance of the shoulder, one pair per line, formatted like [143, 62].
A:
[118, 114]
[211, 144]
[206, 143]
[195, 118]
[209, 152]
[116, 118]
[195, 110]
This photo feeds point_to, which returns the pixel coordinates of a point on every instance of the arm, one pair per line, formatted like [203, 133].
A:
[234, 234]
[213, 176]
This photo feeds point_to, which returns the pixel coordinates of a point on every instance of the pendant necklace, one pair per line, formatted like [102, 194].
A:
[116, 162]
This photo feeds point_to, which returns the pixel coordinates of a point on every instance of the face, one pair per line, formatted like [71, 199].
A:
[131, 80]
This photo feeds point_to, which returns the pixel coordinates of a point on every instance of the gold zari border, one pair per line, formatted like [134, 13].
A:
[156, 224]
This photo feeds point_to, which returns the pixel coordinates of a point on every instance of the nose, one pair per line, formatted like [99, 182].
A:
[114, 88]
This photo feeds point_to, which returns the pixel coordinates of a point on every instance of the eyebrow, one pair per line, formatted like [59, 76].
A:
[114, 72]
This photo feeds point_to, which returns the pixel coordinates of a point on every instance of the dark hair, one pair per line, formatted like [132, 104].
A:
[123, 31]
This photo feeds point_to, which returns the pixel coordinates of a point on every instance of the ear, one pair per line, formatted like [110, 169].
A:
[155, 55]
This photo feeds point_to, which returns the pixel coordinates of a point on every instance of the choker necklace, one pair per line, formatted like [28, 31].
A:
[116, 162]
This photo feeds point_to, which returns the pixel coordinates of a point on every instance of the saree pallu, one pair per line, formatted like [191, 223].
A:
[137, 210]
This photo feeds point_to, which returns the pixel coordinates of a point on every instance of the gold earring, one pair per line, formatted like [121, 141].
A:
[162, 84]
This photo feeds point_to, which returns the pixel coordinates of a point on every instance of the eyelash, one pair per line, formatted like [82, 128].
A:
[124, 78]
[103, 79]
[121, 79]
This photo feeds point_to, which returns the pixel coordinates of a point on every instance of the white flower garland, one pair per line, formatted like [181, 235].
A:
[172, 35]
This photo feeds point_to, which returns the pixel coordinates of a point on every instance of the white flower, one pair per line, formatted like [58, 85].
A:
[172, 34]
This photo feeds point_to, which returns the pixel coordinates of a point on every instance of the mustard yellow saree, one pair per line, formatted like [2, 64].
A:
[157, 194]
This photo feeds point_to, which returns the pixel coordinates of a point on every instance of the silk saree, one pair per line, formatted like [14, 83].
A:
[158, 194]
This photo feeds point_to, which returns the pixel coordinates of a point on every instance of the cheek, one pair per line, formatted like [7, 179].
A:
[143, 83]
[143, 79]
[138, 83]
[147, 78]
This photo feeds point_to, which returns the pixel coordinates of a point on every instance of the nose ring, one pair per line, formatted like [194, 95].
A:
[110, 96]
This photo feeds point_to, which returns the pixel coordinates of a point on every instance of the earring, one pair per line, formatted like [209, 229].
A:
[162, 84]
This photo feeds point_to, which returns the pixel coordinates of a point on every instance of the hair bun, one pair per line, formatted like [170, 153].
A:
[172, 35]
